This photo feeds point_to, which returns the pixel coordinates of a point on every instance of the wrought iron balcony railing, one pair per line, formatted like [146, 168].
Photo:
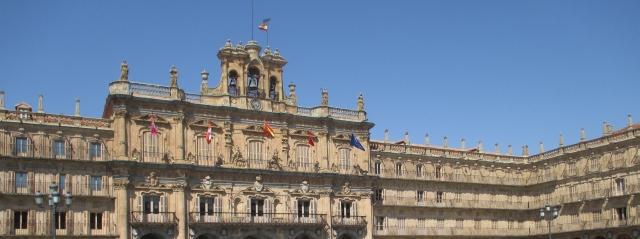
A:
[28, 187]
[351, 221]
[248, 218]
[43, 228]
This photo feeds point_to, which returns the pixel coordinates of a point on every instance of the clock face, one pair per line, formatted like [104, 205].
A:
[255, 104]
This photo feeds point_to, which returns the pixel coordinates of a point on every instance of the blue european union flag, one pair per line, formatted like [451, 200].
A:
[356, 143]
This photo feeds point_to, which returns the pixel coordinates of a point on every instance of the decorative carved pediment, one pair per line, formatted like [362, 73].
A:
[147, 118]
[253, 129]
[206, 184]
[258, 188]
[304, 190]
[341, 137]
[204, 124]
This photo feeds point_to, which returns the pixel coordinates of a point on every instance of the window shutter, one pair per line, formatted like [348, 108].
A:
[248, 205]
[197, 206]
[216, 204]
[313, 206]
[295, 208]
[354, 208]
[141, 203]
[163, 203]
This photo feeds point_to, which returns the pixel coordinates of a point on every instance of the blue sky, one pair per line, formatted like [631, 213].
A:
[511, 72]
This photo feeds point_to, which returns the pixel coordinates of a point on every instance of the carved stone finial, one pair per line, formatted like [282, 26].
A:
[173, 74]
[426, 139]
[541, 147]
[497, 148]
[406, 137]
[629, 120]
[509, 150]
[292, 93]
[205, 80]
[1, 100]
[480, 146]
[583, 135]
[525, 150]
[40, 104]
[360, 102]
[228, 44]
[124, 71]
[325, 97]
[276, 52]
[386, 135]
[239, 46]
[445, 142]
[561, 143]
[463, 144]
[77, 113]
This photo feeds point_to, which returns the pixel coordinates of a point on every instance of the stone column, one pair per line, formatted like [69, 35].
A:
[122, 206]
[182, 211]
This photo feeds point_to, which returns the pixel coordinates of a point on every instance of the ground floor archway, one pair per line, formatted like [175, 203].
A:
[152, 236]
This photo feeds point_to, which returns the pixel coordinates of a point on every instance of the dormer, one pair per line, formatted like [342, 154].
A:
[23, 109]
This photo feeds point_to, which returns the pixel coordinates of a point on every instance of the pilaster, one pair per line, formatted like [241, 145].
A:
[120, 188]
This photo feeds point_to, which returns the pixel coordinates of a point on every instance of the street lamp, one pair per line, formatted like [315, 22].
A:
[549, 213]
[54, 199]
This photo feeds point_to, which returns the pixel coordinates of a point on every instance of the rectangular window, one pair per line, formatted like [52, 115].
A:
[96, 183]
[21, 182]
[302, 157]
[621, 213]
[345, 163]
[459, 222]
[61, 220]
[95, 150]
[20, 219]
[440, 223]
[345, 209]
[380, 223]
[62, 183]
[151, 147]
[304, 208]
[204, 151]
[377, 168]
[494, 224]
[255, 150]
[438, 171]
[377, 195]
[398, 169]
[439, 197]
[22, 145]
[401, 223]
[620, 185]
[597, 215]
[206, 205]
[95, 220]
[510, 224]
[151, 204]
[422, 223]
[420, 196]
[257, 207]
[476, 223]
[419, 170]
[58, 148]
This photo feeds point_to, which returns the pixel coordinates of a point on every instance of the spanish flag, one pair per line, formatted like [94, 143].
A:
[267, 130]
[311, 138]
[264, 25]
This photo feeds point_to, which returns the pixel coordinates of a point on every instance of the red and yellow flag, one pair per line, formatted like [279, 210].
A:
[267, 130]
[311, 138]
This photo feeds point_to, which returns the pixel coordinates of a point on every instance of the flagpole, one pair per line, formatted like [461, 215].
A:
[267, 37]
[252, 20]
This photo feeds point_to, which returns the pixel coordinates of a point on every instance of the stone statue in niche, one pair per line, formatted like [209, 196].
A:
[316, 167]
[274, 163]
[334, 168]
[325, 97]
[191, 157]
[207, 183]
[151, 180]
[237, 157]
[124, 71]
[135, 155]
[219, 161]
[257, 185]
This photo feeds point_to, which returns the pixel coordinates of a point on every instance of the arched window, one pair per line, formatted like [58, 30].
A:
[253, 81]
[205, 152]
[273, 82]
[151, 147]
[233, 82]
[343, 155]
[302, 157]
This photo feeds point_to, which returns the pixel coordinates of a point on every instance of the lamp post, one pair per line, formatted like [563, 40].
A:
[54, 199]
[549, 213]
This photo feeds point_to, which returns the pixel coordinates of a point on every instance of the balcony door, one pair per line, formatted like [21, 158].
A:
[152, 208]
[305, 210]
[208, 208]
[259, 210]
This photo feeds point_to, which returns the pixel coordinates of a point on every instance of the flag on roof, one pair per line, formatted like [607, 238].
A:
[264, 25]
[267, 130]
[356, 143]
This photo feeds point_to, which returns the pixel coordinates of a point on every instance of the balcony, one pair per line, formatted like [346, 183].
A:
[452, 177]
[449, 231]
[452, 203]
[70, 229]
[352, 221]
[138, 217]
[28, 187]
[229, 218]
[76, 152]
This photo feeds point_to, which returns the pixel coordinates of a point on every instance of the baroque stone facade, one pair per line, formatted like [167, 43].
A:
[243, 160]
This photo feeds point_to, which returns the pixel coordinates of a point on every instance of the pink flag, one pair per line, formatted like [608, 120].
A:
[208, 135]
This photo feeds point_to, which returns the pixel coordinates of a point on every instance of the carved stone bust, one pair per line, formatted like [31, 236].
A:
[304, 187]
[257, 185]
[346, 188]
[151, 180]
[207, 183]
